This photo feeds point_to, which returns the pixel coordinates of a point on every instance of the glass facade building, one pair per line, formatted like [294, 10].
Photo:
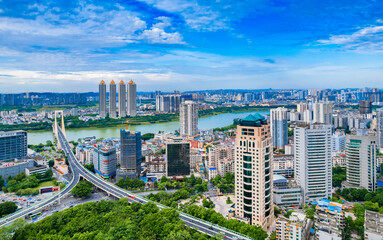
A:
[130, 147]
[178, 159]
[13, 145]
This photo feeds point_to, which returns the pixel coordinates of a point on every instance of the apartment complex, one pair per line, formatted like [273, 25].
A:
[292, 228]
[112, 100]
[253, 171]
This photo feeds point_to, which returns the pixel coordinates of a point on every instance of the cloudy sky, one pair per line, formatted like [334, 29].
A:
[67, 46]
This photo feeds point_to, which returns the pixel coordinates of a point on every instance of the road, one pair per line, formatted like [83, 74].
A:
[78, 170]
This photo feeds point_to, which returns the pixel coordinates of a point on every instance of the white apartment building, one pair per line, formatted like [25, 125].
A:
[322, 112]
[188, 118]
[312, 161]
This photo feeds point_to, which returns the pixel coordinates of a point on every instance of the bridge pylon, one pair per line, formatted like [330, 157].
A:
[55, 127]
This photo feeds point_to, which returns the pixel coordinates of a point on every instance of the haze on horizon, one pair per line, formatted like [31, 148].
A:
[67, 46]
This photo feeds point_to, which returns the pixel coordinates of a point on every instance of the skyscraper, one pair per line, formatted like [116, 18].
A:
[112, 99]
[278, 123]
[177, 159]
[132, 102]
[379, 118]
[130, 154]
[121, 99]
[253, 161]
[361, 161]
[102, 98]
[312, 166]
[188, 118]
[13, 145]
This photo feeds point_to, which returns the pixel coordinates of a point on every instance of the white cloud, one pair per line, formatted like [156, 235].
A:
[363, 40]
[196, 16]
[157, 34]
[88, 24]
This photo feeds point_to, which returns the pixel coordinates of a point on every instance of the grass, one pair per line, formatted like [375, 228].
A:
[44, 184]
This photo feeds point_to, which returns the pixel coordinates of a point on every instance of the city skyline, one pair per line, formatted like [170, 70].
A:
[190, 45]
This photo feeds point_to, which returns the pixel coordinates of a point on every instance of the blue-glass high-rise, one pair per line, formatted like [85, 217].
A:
[130, 150]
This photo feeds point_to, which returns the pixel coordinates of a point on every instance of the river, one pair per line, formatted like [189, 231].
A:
[222, 120]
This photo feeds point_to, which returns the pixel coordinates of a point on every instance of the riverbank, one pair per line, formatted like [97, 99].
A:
[204, 123]
[73, 122]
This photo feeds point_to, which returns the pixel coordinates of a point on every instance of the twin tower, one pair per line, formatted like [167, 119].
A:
[127, 105]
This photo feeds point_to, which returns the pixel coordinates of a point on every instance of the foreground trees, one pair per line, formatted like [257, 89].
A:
[111, 220]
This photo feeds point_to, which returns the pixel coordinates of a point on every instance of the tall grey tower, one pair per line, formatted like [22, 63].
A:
[112, 99]
[121, 99]
[188, 118]
[278, 124]
[132, 103]
[102, 98]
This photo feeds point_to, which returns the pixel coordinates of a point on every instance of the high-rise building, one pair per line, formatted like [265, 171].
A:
[278, 123]
[312, 166]
[169, 103]
[379, 118]
[132, 103]
[301, 107]
[178, 159]
[361, 161]
[13, 145]
[365, 106]
[112, 100]
[253, 171]
[322, 112]
[102, 98]
[121, 99]
[188, 118]
[105, 161]
[130, 154]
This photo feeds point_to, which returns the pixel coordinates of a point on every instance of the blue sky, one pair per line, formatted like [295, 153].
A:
[67, 46]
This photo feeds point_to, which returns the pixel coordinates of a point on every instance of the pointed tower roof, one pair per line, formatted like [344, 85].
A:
[122, 82]
[102, 82]
[112, 82]
[131, 82]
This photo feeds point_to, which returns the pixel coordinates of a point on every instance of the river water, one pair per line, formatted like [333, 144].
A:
[222, 120]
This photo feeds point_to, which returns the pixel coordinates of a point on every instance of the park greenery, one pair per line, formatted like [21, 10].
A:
[130, 184]
[338, 176]
[6, 232]
[82, 189]
[359, 195]
[111, 220]
[225, 184]
[22, 184]
[90, 167]
[7, 208]
[207, 203]
[147, 136]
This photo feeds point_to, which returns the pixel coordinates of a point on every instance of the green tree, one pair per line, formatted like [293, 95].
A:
[82, 189]
[51, 163]
[1, 181]
[147, 136]
[7, 208]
